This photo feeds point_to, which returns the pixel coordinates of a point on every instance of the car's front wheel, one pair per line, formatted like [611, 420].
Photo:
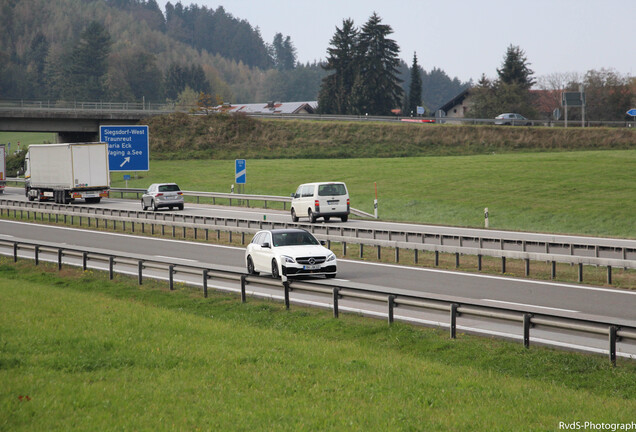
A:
[275, 272]
[294, 215]
[250, 266]
[143, 206]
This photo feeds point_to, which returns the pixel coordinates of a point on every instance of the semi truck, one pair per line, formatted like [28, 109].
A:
[3, 168]
[67, 172]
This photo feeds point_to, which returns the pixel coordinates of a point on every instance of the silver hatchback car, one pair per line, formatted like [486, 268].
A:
[162, 195]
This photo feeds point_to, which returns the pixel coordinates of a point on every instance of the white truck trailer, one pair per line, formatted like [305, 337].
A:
[66, 172]
[3, 168]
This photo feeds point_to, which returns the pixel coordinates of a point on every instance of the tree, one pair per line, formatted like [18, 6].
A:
[89, 64]
[377, 89]
[415, 88]
[283, 53]
[335, 92]
[510, 92]
[608, 95]
[515, 69]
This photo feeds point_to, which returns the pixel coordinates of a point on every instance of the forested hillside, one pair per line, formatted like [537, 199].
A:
[130, 50]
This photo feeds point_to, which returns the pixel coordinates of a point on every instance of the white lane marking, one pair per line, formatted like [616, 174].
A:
[175, 258]
[502, 278]
[529, 305]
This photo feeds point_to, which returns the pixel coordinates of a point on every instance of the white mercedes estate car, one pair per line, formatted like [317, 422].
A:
[289, 252]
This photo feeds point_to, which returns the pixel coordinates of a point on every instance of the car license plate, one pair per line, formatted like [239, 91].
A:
[332, 202]
[311, 267]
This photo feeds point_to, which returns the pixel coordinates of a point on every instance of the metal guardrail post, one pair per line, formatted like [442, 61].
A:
[84, 260]
[527, 324]
[612, 344]
[453, 320]
[37, 254]
[503, 264]
[286, 292]
[140, 266]
[580, 272]
[391, 301]
[15, 251]
[205, 283]
[59, 259]
[609, 274]
[171, 277]
[336, 297]
[111, 265]
[527, 267]
[243, 283]
[478, 262]
[553, 270]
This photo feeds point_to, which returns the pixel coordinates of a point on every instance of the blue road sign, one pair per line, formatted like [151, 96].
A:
[240, 172]
[127, 147]
[632, 112]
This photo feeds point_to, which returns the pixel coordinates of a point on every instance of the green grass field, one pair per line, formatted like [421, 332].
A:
[78, 352]
[25, 138]
[568, 192]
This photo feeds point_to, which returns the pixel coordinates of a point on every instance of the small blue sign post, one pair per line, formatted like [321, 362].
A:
[632, 112]
[240, 171]
[128, 148]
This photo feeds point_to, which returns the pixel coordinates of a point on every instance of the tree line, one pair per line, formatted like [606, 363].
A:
[129, 50]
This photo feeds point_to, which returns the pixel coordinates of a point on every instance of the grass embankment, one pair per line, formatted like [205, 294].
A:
[181, 136]
[566, 192]
[78, 352]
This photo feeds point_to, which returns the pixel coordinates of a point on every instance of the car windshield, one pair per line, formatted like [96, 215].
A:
[332, 189]
[169, 188]
[294, 238]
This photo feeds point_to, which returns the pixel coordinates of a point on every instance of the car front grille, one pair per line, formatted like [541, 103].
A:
[311, 260]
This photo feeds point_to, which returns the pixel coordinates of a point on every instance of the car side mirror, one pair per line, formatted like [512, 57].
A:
[266, 245]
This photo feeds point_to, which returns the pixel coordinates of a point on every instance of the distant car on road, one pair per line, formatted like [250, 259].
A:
[513, 119]
[162, 195]
[289, 252]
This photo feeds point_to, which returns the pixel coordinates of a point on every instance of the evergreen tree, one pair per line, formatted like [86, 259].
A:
[89, 64]
[515, 69]
[335, 91]
[283, 53]
[415, 89]
[377, 88]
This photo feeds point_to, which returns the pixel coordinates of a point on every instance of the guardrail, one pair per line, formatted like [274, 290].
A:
[456, 308]
[207, 224]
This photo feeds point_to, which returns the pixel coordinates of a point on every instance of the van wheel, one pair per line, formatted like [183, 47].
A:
[344, 218]
[327, 218]
[312, 216]
[294, 216]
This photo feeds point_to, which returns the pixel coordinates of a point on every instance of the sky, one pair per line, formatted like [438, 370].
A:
[464, 38]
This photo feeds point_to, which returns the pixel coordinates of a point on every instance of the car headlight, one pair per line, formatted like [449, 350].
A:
[287, 259]
[331, 257]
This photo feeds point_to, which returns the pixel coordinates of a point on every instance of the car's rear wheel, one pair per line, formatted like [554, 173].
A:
[250, 266]
[312, 216]
[294, 216]
[154, 205]
[275, 272]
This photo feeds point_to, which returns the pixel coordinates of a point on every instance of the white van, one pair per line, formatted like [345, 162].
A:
[314, 200]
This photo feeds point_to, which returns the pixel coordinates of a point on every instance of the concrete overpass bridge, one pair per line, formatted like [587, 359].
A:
[74, 121]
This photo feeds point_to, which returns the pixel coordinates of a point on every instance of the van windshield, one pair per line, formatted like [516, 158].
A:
[332, 189]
